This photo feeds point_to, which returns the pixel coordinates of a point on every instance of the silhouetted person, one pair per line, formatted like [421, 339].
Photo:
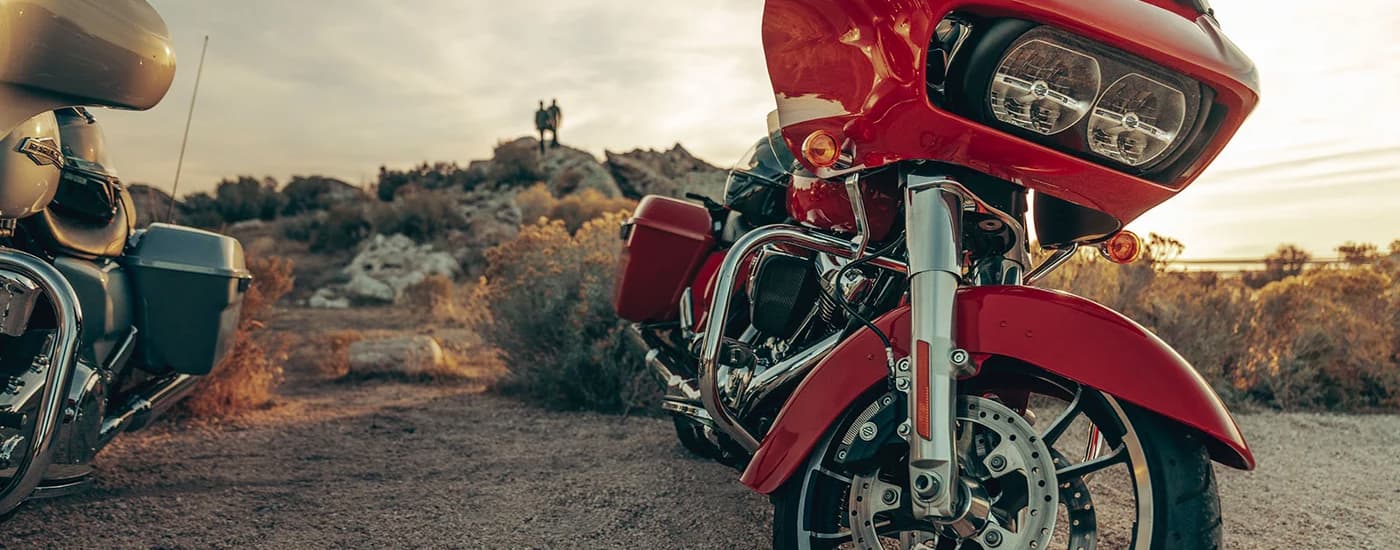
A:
[542, 123]
[556, 118]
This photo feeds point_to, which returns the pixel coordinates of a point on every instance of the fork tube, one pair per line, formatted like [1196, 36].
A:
[933, 225]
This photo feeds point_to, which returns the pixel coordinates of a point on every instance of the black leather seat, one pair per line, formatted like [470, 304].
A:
[58, 233]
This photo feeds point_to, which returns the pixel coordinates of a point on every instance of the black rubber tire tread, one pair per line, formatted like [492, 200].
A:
[1186, 505]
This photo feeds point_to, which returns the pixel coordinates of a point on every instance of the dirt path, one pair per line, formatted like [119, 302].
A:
[375, 464]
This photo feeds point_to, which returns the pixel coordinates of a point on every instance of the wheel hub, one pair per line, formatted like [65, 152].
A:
[1008, 495]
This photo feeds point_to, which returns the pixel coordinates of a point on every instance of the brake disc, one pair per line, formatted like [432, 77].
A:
[1008, 488]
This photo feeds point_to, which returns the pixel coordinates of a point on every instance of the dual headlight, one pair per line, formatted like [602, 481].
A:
[1091, 98]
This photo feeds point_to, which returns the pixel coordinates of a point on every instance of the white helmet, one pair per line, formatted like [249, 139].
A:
[31, 162]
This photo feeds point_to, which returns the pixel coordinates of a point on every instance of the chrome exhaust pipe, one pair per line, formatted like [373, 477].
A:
[725, 283]
[29, 469]
[677, 387]
[147, 405]
[790, 369]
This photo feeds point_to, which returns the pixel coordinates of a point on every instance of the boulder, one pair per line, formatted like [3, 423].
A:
[568, 170]
[384, 268]
[407, 355]
[328, 298]
[672, 173]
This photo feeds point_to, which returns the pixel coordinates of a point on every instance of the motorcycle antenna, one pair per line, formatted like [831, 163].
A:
[179, 164]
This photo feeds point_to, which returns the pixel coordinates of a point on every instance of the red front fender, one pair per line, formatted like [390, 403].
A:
[1061, 333]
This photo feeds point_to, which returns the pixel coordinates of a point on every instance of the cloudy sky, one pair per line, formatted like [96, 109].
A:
[340, 88]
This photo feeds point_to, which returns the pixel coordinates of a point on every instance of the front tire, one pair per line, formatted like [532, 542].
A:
[1172, 496]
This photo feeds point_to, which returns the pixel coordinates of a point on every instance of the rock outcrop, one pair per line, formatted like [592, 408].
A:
[674, 173]
[383, 269]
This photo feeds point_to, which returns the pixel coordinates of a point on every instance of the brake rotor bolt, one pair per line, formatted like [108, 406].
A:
[993, 538]
[890, 496]
[997, 463]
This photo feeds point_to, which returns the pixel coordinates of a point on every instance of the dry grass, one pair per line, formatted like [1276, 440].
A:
[246, 377]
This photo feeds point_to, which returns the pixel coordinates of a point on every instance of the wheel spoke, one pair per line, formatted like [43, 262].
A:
[1090, 466]
[834, 475]
[840, 536]
[1062, 422]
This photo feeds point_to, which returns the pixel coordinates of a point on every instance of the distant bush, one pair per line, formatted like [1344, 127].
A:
[434, 297]
[574, 209]
[338, 230]
[253, 368]
[516, 162]
[1319, 339]
[1328, 339]
[311, 193]
[420, 217]
[438, 175]
[545, 304]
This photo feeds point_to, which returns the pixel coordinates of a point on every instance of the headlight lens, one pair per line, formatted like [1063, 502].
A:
[1043, 87]
[1136, 120]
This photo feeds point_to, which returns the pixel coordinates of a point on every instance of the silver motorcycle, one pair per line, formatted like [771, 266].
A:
[102, 326]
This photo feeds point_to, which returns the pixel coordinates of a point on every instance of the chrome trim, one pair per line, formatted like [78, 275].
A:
[1051, 264]
[789, 369]
[688, 410]
[676, 386]
[62, 489]
[725, 281]
[858, 208]
[69, 319]
[119, 356]
[687, 308]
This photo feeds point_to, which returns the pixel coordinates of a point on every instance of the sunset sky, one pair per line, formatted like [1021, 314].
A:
[296, 88]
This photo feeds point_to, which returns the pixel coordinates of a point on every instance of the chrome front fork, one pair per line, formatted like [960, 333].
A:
[933, 226]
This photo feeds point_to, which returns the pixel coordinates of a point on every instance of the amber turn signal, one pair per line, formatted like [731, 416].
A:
[1125, 247]
[820, 149]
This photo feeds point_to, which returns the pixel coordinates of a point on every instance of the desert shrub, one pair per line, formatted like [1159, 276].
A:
[578, 208]
[1287, 261]
[332, 352]
[535, 202]
[246, 198]
[516, 162]
[421, 217]
[310, 193]
[338, 230]
[574, 209]
[1327, 339]
[246, 377]
[435, 296]
[544, 303]
[437, 175]
[200, 210]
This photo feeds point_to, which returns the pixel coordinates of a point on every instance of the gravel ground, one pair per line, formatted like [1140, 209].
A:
[386, 464]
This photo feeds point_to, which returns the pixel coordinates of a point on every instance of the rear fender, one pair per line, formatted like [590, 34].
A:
[1059, 332]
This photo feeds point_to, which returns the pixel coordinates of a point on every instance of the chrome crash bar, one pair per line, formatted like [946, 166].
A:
[726, 285]
[29, 469]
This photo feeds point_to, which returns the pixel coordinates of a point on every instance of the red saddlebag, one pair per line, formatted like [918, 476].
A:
[665, 242]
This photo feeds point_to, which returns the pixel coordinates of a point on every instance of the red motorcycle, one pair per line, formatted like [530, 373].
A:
[874, 355]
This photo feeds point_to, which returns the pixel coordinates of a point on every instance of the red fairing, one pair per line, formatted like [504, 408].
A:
[856, 68]
[1058, 332]
[668, 241]
[825, 205]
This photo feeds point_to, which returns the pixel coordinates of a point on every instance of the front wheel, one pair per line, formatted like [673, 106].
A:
[1044, 463]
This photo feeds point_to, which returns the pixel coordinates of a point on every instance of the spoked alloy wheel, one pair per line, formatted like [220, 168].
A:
[1029, 481]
